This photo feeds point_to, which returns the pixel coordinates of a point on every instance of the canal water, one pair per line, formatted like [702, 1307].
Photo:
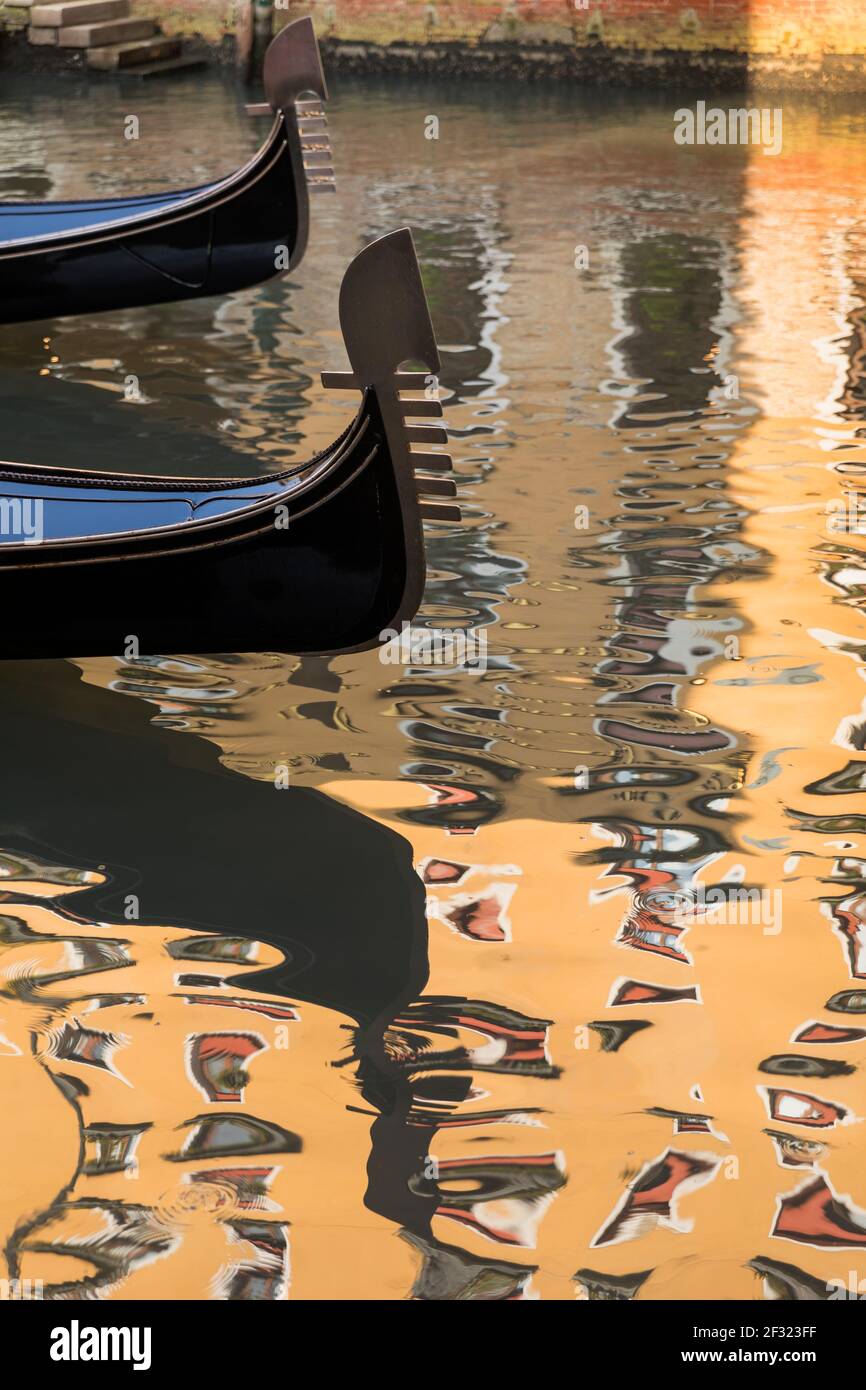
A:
[605, 1038]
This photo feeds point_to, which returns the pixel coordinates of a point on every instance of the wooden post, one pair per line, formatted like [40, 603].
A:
[263, 28]
[244, 39]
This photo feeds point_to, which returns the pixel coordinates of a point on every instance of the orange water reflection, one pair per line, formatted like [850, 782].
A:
[616, 1084]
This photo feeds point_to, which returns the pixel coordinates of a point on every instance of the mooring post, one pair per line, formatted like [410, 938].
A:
[263, 28]
[244, 39]
[253, 30]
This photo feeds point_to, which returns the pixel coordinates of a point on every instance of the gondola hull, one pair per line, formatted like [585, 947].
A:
[331, 579]
[58, 259]
[227, 245]
[326, 557]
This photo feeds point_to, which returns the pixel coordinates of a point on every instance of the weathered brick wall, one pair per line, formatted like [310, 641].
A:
[211, 18]
[785, 37]
[647, 23]
[809, 28]
[805, 30]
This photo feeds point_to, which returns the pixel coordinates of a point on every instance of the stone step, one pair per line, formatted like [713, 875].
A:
[116, 56]
[108, 32]
[185, 63]
[77, 12]
[42, 36]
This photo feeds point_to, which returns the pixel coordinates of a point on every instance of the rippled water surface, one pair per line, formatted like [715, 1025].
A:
[617, 1053]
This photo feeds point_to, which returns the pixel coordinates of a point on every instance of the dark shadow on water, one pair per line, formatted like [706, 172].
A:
[89, 781]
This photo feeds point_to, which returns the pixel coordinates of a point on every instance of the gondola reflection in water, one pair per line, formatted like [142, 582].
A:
[115, 253]
[319, 558]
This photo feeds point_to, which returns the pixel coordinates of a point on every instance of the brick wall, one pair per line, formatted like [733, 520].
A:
[212, 19]
[644, 23]
[793, 32]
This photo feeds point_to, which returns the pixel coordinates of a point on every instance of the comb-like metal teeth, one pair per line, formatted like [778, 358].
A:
[423, 463]
[425, 407]
[439, 511]
[316, 153]
[426, 434]
[315, 145]
[435, 487]
[433, 463]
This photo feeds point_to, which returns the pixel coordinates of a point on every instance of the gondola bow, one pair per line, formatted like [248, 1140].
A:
[116, 253]
[325, 556]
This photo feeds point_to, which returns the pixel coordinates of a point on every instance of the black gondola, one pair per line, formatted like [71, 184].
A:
[115, 253]
[322, 557]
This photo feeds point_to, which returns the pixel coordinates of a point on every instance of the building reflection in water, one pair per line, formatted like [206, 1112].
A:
[633, 1070]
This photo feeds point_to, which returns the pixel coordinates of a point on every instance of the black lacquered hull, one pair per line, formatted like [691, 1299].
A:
[58, 259]
[325, 557]
[331, 580]
[228, 244]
